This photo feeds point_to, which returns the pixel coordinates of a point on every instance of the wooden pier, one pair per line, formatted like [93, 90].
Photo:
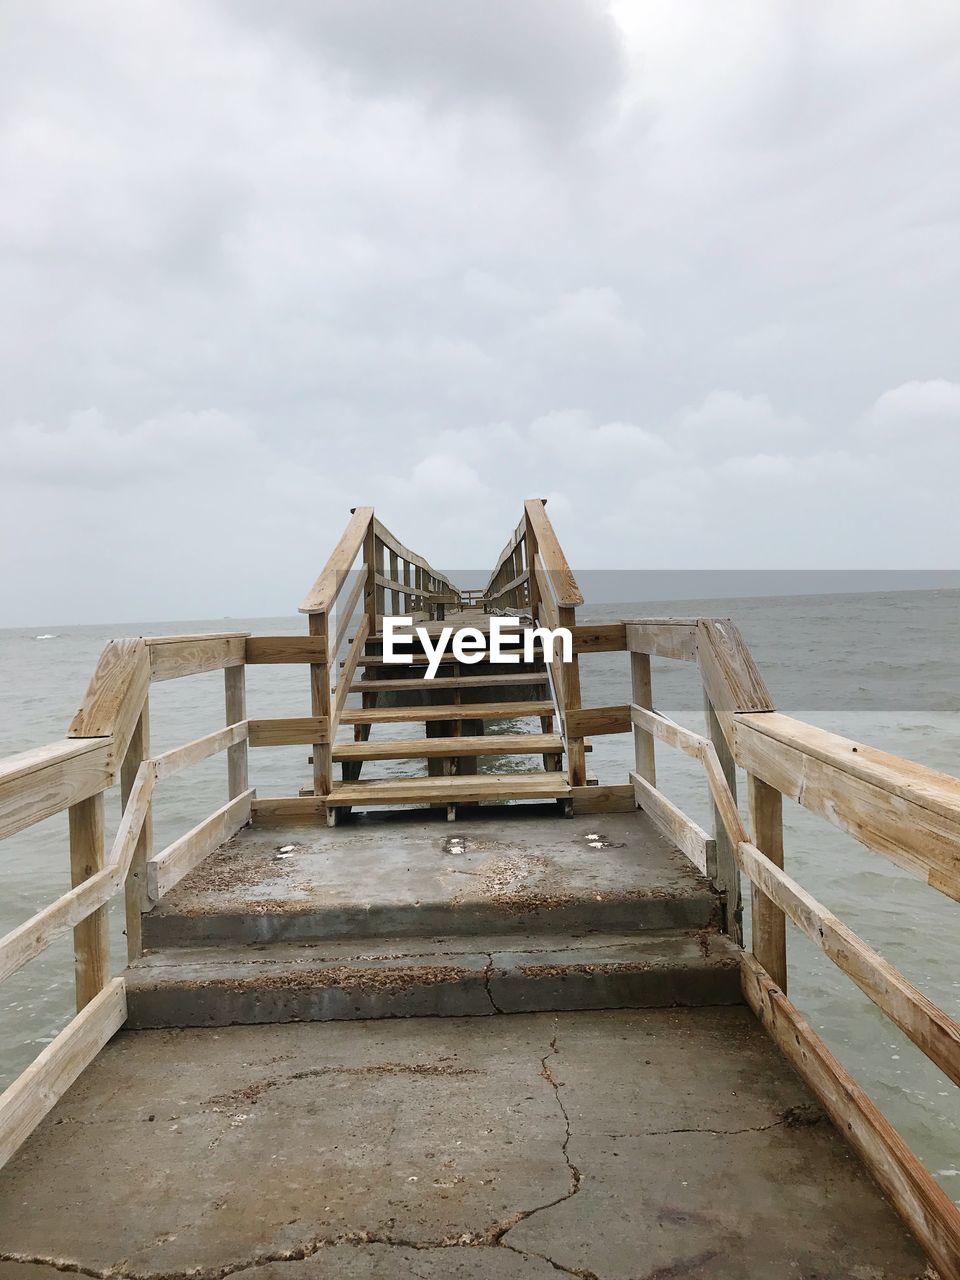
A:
[481, 1017]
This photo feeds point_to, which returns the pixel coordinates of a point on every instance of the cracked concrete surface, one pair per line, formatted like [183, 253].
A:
[628, 1145]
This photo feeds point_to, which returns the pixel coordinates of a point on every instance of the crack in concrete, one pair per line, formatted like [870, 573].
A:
[487, 975]
[492, 1237]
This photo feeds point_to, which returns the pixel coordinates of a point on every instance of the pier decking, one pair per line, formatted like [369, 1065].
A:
[482, 1017]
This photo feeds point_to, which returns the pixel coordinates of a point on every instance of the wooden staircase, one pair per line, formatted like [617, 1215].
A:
[464, 710]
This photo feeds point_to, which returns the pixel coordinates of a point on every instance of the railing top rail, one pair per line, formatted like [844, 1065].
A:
[559, 573]
[323, 593]
[395, 545]
[516, 537]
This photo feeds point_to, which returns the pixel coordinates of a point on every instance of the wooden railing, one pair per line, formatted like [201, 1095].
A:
[108, 742]
[907, 813]
[532, 577]
[391, 580]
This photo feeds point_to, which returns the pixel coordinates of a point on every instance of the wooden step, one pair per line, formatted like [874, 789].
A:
[504, 744]
[448, 660]
[447, 682]
[460, 711]
[457, 790]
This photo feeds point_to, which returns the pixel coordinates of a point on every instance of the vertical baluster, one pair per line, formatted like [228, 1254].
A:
[235, 700]
[728, 872]
[643, 739]
[768, 923]
[91, 948]
[135, 888]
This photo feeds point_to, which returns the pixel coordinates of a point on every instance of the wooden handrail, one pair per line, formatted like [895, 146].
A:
[321, 596]
[560, 575]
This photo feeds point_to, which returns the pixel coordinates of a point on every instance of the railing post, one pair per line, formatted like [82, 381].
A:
[533, 587]
[91, 948]
[370, 585]
[570, 686]
[235, 700]
[728, 871]
[135, 887]
[768, 923]
[643, 739]
[320, 706]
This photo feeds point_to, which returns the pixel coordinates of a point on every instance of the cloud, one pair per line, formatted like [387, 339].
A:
[923, 414]
[661, 262]
[552, 63]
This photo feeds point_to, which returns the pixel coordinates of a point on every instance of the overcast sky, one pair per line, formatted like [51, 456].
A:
[689, 270]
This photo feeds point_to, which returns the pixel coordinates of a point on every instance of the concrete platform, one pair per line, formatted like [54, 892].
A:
[437, 977]
[415, 875]
[618, 1146]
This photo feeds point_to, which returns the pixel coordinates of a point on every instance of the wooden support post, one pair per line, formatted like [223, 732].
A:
[135, 887]
[320, 706]
[769, 925]
[370, 585]
[533, 588]
[643, 740]
[235, 699]
[91, 947]
[570, 684]
[728, 871]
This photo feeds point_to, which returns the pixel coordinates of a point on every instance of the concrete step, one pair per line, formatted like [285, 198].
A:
[496, 871]
[423, 977]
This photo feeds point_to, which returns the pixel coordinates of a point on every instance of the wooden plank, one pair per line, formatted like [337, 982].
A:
[513, 585]
[920, 1202]
[37, 1090]
[939, 792]
[404, 684]
[320, 597]
[677, 640]
[347, 673]
[724, 797]
[91, 943]
[930, 1029]
[275, 650]
[29, 939]
[445, 789]
[768, 929]
[460, 711]
[135, 882]
[606, 798]
[346, 610]
[562, 582]
[36, 784]
[268, 809]
[191, 657]
[918, 838]
[599, 637]
[546, 608]
[731, 678]
[588, 722]
[321, 708]
[167, 868]
[690, 838]
[115, 696]
[192, 637]
[643, 740]
[171, 762]
[491, 744]
[288, 731]
[515, 539]
[235, 708]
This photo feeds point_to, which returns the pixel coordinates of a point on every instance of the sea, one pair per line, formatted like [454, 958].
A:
[881, 667]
